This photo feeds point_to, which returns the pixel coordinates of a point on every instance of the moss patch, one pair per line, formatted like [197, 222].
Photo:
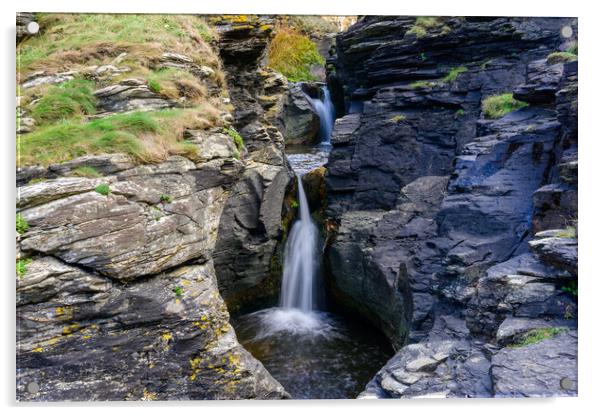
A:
[537, 335]
[22, 224]
[453, 74]
[22, 266]
[557, 57]
[499, 105]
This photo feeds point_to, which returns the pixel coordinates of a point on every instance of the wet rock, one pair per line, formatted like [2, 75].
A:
[171, 333]
[315, 188]
[300, 121]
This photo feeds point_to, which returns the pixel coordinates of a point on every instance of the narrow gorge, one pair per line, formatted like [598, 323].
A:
[203, 214]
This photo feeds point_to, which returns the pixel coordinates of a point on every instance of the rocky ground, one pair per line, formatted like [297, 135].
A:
[456, 233]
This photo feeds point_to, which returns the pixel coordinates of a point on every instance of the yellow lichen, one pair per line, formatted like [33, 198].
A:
[149, 396]
[166, 336]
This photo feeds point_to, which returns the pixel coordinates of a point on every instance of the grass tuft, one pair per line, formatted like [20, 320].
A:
[22, 225]
[497, 106]
[397, 118]
[238, 141]
[165, 198]
[103, 189]
[73, 98]
[558, 57]
[292, 54]
[537, 335]
[453, 74]
[425, 24]
[22, 266]
[86, 171]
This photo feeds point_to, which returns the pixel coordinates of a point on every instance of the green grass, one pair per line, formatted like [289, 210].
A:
[453, 74]
[103, 189]
[22, 224]
[83, 38]
[397, 118]
[86, 171]
[73, 98]
[154, 86]
[573, 49]
[537, 335]
[165, 198]
[568, 232]
[497, 106]
[557, 57]
[292, 54]
[145, 136]
[22, 266]
[238, 141]
[178, 291]
[422, 84]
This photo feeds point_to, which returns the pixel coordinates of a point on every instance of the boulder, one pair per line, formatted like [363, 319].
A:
[299, 120]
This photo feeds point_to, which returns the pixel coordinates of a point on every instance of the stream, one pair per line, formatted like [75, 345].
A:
[313, 352]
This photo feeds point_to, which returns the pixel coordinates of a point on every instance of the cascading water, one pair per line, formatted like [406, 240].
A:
[313, 353]
[325, 109]
[298, 279]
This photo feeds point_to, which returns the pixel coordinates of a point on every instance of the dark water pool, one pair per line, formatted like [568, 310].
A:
[314, 355]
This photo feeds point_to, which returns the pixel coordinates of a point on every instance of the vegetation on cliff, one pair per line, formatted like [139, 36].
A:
[292, 54]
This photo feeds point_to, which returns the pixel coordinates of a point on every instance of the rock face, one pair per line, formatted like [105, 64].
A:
[126, 280]
[453, 232]
[300, 123]
[249, 228]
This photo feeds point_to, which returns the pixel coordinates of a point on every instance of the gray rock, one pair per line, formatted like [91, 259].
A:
[128, 95]
[560, 252]
[547, 368]
[86, 337]
[299, 120]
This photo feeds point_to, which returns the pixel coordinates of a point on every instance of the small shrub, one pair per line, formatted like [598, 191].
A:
[497, 106]
[177, 290]
[103, 189]
[165, 198]
[397, 118]
[154, 86]
[294, 204]
[537, 335]
[22, 266]
[453, 74]
[65, 101]
[86, 171]
[292, 54]
[558, 57]
[22, 224]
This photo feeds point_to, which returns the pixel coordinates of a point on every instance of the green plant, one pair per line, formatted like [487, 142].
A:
[397, 118]
[423, 56]
[497, 106]
[86, 171]
[22, 266]
[154, 86]
[294, 204]
[238, 141]
[453, 74]
[557, 57]
[570, 288]
[292, 54]
[460, 113]
[422, 84]
[71, 99]
[165, 198]
[573, 49]
[22, 224]
[568, 232]
[103, 189]
[538, 335]
[177, 290]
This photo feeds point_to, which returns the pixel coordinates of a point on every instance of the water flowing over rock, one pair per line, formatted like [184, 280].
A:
[435, 207]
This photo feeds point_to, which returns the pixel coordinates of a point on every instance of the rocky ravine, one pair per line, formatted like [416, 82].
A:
[121, 297]
[454, 233]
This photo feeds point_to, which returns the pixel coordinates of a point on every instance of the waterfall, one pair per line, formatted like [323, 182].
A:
[325, 110]
[300, 259]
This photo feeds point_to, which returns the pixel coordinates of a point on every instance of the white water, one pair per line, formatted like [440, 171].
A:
[325, 110]
[300, 263]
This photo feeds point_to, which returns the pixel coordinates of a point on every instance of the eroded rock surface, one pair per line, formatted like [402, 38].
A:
[455, 233]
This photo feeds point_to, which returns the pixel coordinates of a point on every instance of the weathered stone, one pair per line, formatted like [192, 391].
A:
[85, 337]
[300, 122]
